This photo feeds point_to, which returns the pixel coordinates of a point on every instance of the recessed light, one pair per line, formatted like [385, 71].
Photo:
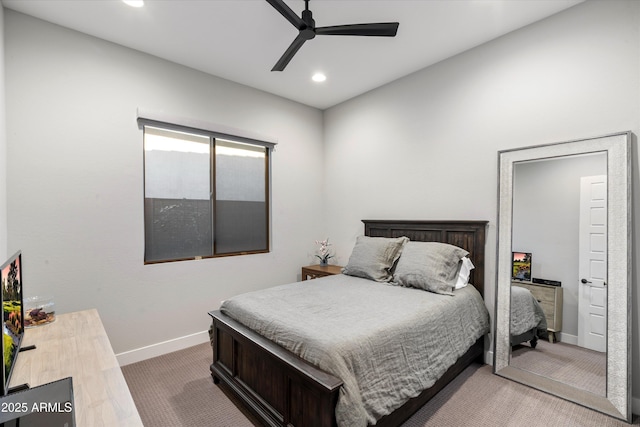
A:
[318, 77]
[134, 3]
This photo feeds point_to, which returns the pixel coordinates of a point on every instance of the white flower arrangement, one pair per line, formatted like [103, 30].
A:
[324, 254]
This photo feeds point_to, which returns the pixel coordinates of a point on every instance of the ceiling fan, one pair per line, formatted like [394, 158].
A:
[307, 27]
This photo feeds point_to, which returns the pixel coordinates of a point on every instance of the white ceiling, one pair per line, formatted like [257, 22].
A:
[241, 40]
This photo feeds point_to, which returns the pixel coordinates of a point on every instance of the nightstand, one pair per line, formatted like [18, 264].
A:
[550, 299]
[315, 271]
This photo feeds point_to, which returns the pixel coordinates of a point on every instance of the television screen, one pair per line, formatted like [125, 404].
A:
[13, 315]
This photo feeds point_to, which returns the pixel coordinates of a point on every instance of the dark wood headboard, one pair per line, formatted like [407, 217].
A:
[469, 235]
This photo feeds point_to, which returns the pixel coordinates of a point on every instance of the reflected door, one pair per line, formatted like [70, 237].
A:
[592, 291]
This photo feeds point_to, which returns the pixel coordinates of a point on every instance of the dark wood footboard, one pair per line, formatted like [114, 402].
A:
[277, 386]
[283, 390]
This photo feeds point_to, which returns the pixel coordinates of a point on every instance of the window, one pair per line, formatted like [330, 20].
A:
[205, 194]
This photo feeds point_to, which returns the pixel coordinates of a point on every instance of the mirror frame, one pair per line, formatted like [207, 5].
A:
[617, 401]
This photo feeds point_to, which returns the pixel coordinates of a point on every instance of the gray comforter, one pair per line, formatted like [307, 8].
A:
[526, 313]
[386, 343]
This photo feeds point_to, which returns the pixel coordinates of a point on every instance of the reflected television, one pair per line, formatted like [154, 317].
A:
[12, 315]
[521, 266]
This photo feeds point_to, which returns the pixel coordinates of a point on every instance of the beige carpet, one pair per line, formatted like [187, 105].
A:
[569, 364]
[177, 390]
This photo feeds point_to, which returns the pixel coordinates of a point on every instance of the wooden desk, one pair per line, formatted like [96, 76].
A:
[76, 345]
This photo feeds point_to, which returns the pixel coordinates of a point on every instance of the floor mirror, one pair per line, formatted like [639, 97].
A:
[564, 245]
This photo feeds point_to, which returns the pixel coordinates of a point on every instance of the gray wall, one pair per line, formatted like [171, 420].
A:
[546, 220]
[425, 146]
[75, 181]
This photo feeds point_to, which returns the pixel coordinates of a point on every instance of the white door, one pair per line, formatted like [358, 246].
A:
[592, 290]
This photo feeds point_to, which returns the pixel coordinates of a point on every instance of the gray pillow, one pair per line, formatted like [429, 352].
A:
[431, 266]
[374, 257]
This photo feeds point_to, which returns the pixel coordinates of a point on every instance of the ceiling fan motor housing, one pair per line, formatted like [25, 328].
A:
[309, 31]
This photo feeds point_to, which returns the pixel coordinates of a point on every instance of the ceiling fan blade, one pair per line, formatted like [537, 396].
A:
[381, 29]
[289, 53]
[286, 11]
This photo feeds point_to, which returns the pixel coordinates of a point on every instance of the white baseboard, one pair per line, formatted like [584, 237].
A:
[161, 348]
[568, 339]
[488, 358]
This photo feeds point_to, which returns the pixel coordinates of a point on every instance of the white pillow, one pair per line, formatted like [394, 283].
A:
[465, 272]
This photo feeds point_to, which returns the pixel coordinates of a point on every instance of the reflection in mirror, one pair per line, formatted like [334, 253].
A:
[557, 204]
[562, 322]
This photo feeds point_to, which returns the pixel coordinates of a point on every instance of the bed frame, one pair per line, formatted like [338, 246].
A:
[531, 335]
[282, 389]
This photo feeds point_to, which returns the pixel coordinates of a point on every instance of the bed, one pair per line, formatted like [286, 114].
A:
[283, 389]
[528, 322]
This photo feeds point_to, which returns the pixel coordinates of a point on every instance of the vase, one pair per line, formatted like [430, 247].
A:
[324, 263]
